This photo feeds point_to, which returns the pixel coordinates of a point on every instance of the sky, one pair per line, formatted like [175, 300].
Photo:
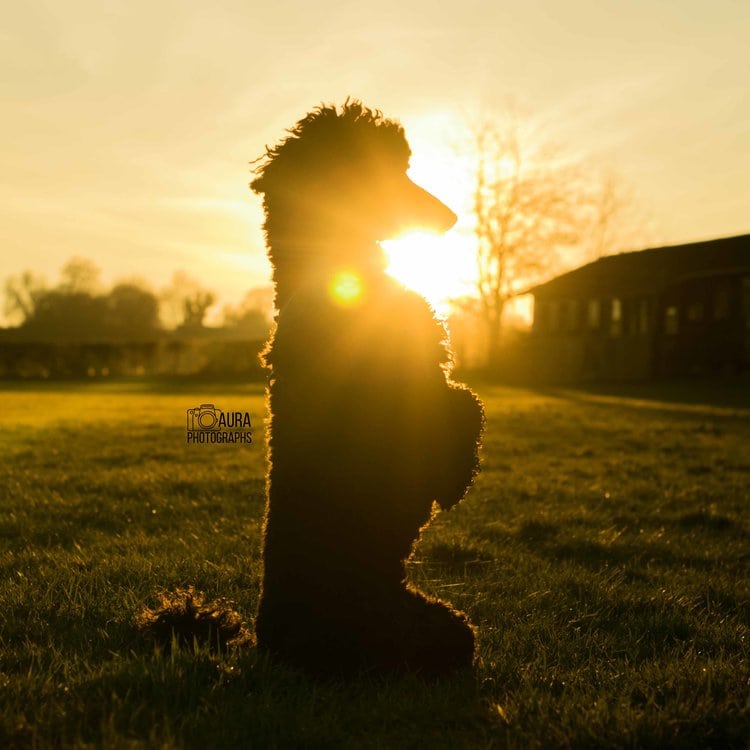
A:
[128, 127]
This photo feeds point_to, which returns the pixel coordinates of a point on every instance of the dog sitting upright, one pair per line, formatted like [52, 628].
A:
[367, 431]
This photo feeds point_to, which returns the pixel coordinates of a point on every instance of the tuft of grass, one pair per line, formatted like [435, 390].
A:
[182, 618]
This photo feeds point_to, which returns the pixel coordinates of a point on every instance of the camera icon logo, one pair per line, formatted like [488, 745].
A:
[203, 417]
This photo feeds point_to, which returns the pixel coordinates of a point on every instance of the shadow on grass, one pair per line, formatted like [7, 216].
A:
[729, 391]
[550, 540]
[689, 398]
[242, 700]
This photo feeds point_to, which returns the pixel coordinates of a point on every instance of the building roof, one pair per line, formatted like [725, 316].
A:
[647, 271]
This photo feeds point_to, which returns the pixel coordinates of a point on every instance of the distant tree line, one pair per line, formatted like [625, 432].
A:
[78, 309]
[79, 329]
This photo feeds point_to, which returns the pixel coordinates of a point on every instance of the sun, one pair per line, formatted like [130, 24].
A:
[439, 267]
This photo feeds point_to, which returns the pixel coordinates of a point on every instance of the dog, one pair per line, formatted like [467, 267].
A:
[367, 431]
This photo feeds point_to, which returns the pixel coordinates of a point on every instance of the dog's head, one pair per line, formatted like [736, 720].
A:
[338, 183]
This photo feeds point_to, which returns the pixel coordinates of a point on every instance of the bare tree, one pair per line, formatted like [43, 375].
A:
[535, 211]
[618, 221]
[195, 306]
[79, 276]
[185, 302]
[527, 209]
[22, 295]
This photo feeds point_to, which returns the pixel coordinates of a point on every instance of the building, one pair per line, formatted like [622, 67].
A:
[662, 312]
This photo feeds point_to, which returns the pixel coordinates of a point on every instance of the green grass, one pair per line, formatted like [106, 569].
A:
[604, 555]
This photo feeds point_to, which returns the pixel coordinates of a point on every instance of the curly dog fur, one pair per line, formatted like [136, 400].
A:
[367, 431]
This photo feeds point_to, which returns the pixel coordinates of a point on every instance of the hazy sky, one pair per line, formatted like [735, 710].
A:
[127, 127]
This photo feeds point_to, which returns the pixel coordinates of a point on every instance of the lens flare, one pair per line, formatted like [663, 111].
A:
[346, 288]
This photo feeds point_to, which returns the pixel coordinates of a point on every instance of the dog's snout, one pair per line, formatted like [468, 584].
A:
[426, 211]
[446, 218]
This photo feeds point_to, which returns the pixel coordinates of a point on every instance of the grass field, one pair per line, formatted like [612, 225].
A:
[604, 555]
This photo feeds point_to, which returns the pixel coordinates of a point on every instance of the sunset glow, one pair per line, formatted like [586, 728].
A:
[133, 149]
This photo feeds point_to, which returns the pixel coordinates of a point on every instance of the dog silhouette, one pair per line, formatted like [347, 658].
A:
[367, 431]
